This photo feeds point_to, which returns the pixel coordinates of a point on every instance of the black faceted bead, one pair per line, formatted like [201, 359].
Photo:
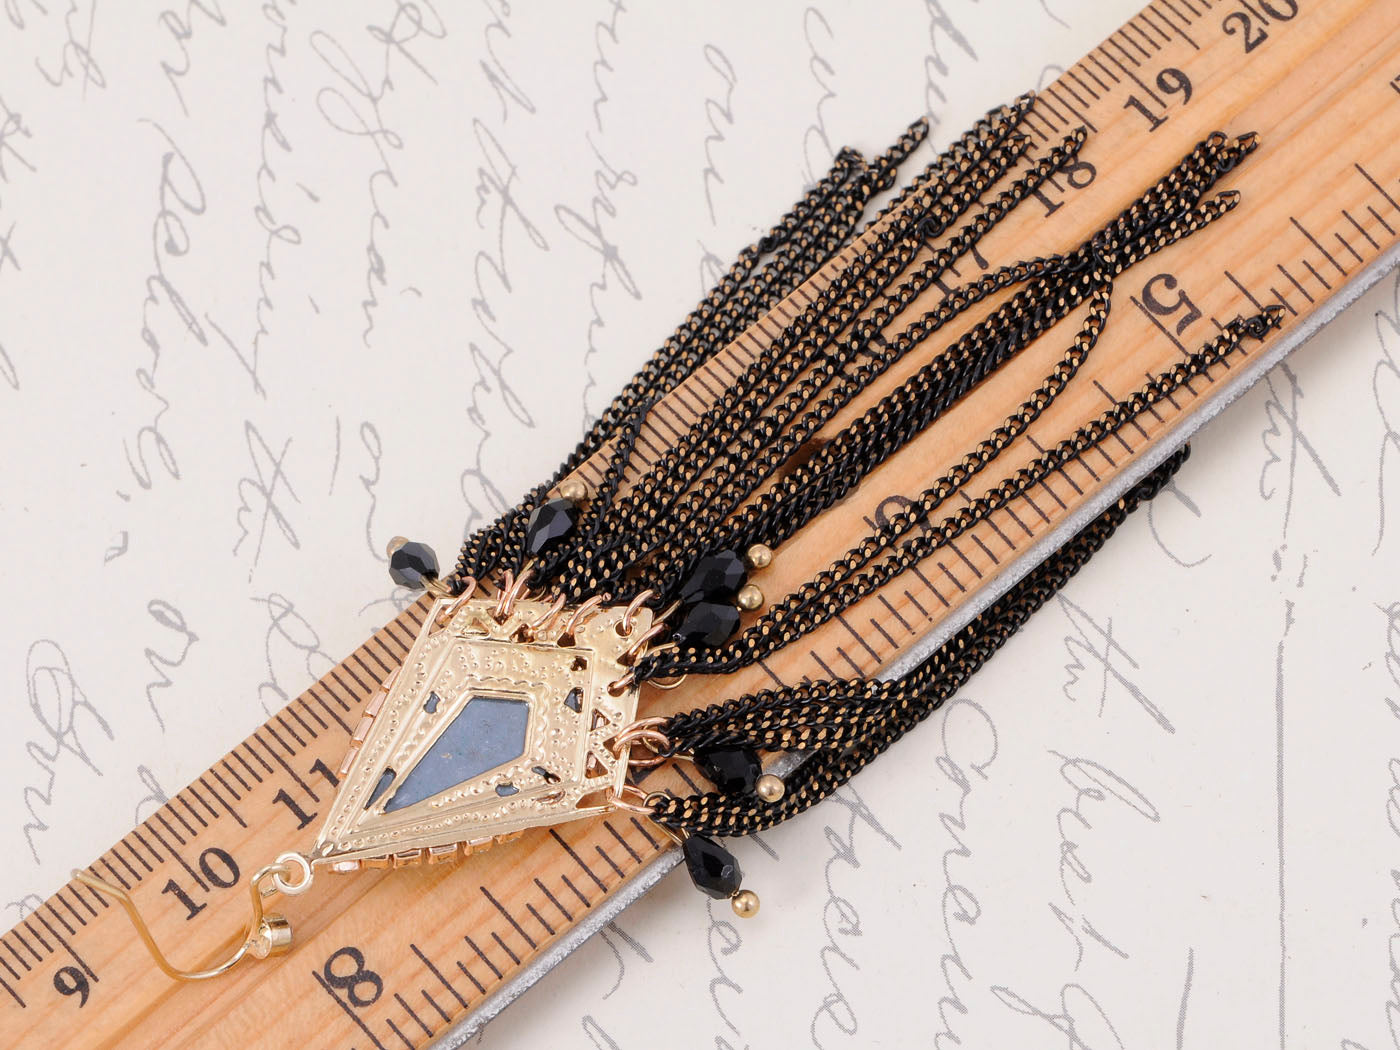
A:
[712, 868]
[731, 769]
[412, 564]
[718, 575]
[549, 522]
[707, 624]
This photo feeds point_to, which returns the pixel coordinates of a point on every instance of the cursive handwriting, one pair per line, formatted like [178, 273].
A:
[590, 230]
[369, 438]
[271, 137]
[181, 28]
[937, 72]
[178, 196]
[1173, 490]
[1093, 644]
[969, 747]
[817, 150]
[14, 134]
[1385, 395]
[1281, 411]
[1080, 1020]
[75, 53]
[354, 105]
[501, 81]
[288, 636]
[172, 619]
[719, 114]
[65, 717]
[155, 797]
[637, 947]
[258, 496]
[74, 56]
[840, 919]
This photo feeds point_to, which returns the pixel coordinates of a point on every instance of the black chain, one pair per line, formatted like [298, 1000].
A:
[849, 722]
[845, 724]
[749, 469]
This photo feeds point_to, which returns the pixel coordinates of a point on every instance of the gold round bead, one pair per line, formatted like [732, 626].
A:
[770, 788]
[749, 598]
[744, 903]
[759, 556]
[573, 490]
[394, 544]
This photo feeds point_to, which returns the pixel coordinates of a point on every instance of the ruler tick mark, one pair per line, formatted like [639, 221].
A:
[468, 975]
[822, 664]
[555, 900]
[1361, 230]
[1342, 241]
[883, 633]
[1106, 71]
[433, 1003]
[438, 974]
[229, 809]
[76, 914]
[554, 834]
[348, 1012]
[1320, 279]
[482, 956]
[505, 947]
[334, 717]
[575, 891]
[228, 788]
[508, 917]
[1282, 302]
[1318, 245]
[115, 874]
[610, 862]
[407, 1042]
[1095, 77]
[189, 828]
[643, 832]
[193, 812]
[133, 851]
[621, 842]
[763, 666]
[18, 957]
[1376, 215]
[847, 657]
[37, 936]
[539, 918]
[61, 921]
[856, 635]
[918, 605]
[1292, 280]
[895, 613]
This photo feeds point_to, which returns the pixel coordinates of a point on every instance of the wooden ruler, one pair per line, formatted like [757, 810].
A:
[398, 959]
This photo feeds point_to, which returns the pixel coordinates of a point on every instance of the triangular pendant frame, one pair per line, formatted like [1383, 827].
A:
[567, 769]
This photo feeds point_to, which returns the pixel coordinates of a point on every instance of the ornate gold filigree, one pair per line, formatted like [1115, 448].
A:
[571, 673]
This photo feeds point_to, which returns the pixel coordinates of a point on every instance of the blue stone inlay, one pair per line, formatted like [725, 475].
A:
[385, 779]
[489, 731]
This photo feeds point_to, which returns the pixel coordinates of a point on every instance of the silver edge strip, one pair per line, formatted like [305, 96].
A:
[1239, 381]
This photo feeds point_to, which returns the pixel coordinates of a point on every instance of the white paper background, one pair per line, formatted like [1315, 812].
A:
[278, 282]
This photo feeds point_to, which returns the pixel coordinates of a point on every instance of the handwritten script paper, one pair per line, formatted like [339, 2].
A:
[272, 281]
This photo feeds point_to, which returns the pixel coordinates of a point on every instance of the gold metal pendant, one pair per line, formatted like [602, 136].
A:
[507, 714]
[493, 725]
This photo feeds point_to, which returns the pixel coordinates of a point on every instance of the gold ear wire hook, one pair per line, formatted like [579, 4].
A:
[267, 934]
